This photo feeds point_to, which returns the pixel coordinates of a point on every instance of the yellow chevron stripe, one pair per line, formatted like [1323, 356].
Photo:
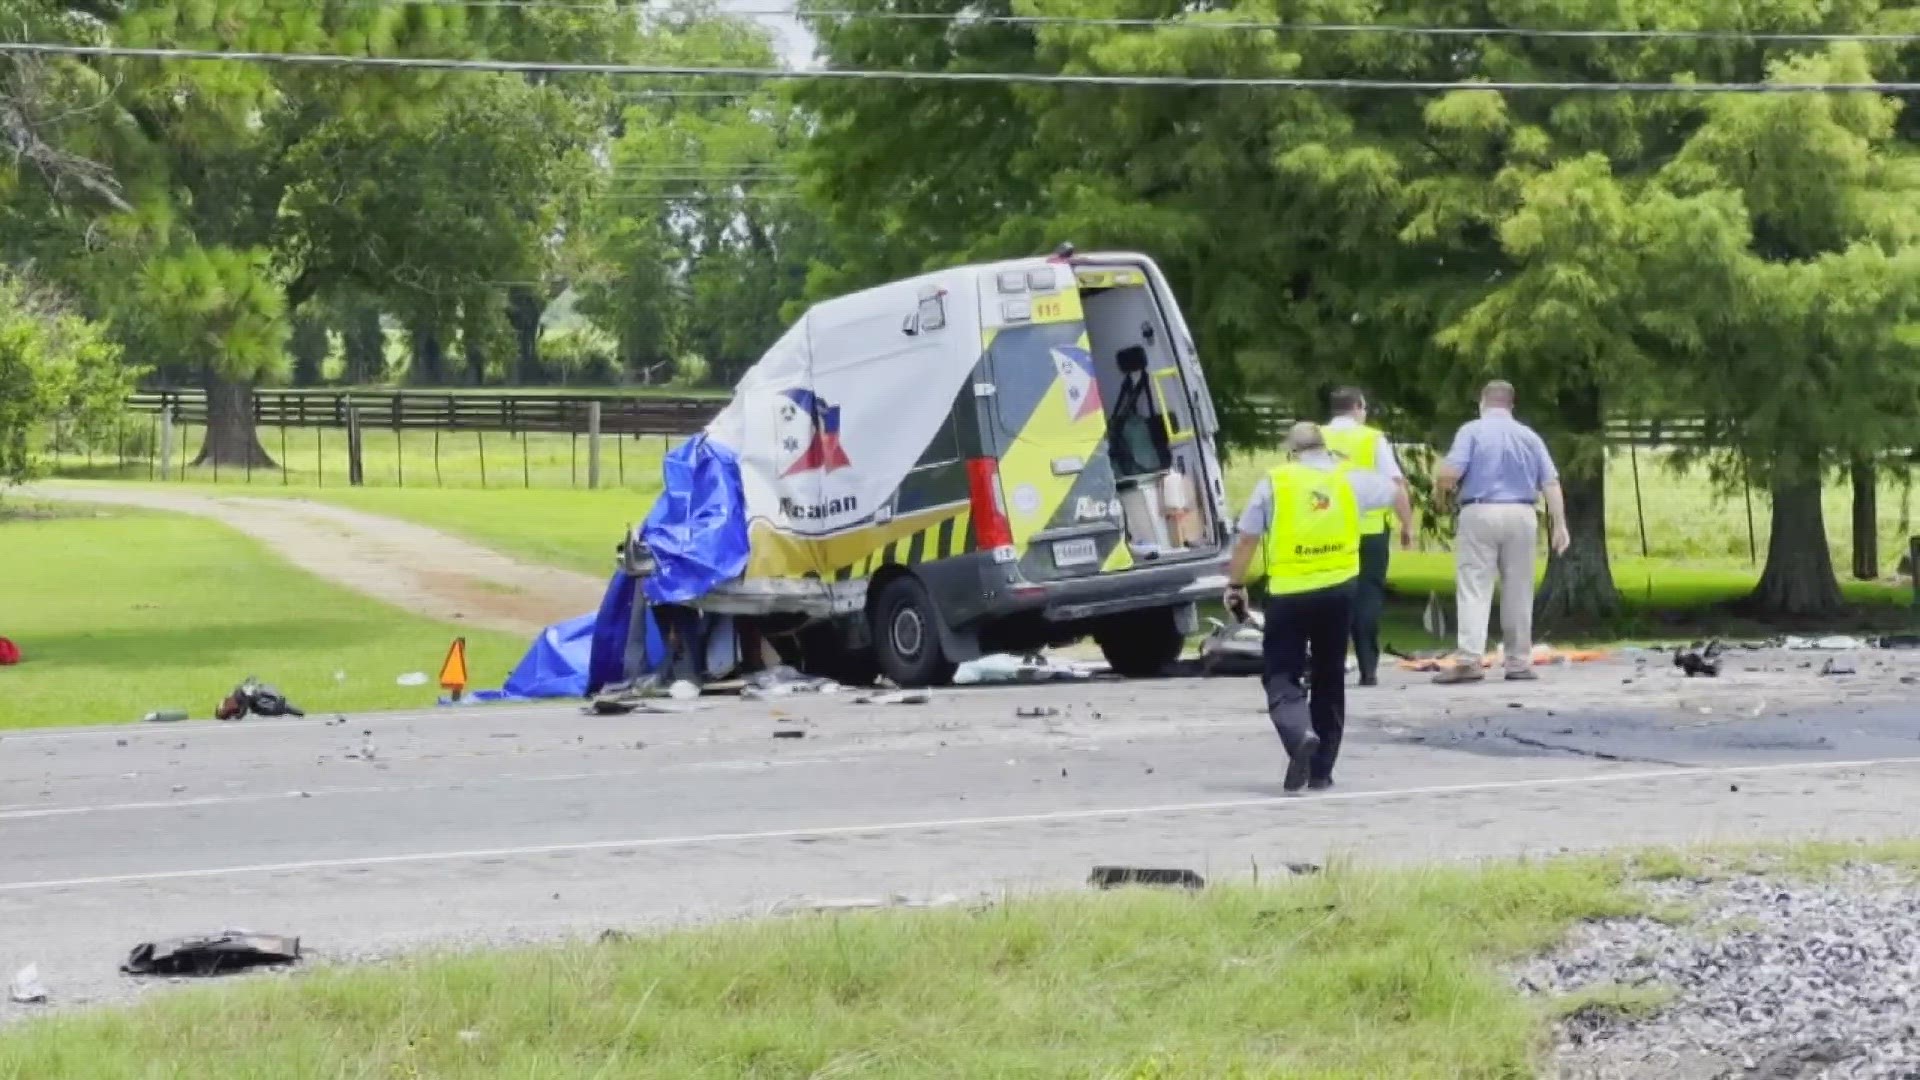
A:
[779, 554]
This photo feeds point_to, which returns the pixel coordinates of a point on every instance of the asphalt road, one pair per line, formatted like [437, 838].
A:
[512, 824]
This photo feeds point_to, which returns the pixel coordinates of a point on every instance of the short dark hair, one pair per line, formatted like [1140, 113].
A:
[1345, 399]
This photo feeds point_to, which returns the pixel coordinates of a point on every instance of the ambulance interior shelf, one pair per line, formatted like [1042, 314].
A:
[1156, 457]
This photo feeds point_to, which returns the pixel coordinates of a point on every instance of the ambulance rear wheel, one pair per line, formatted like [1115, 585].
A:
[906, 635]
[1141, 645]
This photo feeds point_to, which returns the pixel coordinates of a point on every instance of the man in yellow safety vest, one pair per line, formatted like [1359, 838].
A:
[1303, 525]
[1362, 446]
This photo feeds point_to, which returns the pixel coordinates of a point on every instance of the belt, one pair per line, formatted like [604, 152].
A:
[1496, 502]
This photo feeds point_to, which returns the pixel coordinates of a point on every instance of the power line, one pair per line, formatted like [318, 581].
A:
[1141, 23]
[562, 67]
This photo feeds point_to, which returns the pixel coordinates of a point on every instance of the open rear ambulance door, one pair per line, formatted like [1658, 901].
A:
[1049, 424]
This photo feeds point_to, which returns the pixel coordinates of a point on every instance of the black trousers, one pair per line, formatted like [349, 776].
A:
[1369, 596]
[1307, 632]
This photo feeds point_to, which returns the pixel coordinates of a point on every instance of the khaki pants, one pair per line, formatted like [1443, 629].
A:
[1496, 541]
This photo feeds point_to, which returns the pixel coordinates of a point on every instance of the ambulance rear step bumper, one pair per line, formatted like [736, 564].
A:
[1139, 590]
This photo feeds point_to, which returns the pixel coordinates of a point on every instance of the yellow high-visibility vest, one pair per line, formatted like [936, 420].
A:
[1313, 540]
[1359, 445]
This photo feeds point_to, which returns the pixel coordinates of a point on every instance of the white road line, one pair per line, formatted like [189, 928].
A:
[21, 812]
[954, 823]
[494, 713]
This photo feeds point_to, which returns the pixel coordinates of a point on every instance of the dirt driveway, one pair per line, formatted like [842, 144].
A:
[423, 570]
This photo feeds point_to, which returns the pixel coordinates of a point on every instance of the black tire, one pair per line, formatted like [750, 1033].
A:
[906, 635]
[1141, 645]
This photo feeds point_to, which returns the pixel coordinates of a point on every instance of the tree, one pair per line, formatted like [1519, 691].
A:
[701, 242]
[54, 365]
[217, 160]
[1398, 240]
[1813, 364]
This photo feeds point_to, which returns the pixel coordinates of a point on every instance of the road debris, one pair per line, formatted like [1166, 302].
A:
[1234, 649]
[789, 733]
[782, 681]
[1699, 661]
[1036, 712]
[1110, 877]
[412, 678]
[895, 697]
[212, 954]
[1008, 668]
[255, 698]
[164, 716]
[1838, 666]
[27, 989]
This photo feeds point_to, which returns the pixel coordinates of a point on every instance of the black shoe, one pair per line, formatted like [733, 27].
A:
[1369, 680]
[1301, 761]
[1320, 783]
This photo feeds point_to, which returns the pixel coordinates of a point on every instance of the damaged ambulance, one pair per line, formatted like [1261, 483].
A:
[993, 458]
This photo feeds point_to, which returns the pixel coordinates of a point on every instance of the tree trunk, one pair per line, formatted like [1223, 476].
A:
[523, 314]
[309, 348]
[1798, 581]
[429, 366]
[1578, 586]
[1866, 521]
[365, 344]
[231, 440]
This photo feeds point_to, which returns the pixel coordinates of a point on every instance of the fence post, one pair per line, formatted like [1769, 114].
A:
[526, 467]
[593, 446]
[620, 452]
[285, 469]
[320, 456]
[166, 438]
[1746, 490]
[399, 448]
[356, 472]
[1639, 507]
[481, 436]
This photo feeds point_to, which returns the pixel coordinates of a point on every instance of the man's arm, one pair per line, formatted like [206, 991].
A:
[1453, 468]
[1389, 465]
[1246, 546]
[1558, 537]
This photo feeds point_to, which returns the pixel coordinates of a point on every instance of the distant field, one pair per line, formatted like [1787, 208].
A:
[534, 505]
[413, 459]
[123, 613]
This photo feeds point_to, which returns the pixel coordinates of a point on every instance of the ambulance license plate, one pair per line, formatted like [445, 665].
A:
[1075, 552]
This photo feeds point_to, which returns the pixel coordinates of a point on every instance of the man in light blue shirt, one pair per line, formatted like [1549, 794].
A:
[1500, 469]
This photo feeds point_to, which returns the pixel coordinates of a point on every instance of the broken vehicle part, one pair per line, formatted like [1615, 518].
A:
[213, 954]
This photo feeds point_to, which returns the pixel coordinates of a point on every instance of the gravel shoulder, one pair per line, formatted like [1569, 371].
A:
[423, 570]
[1762, 975]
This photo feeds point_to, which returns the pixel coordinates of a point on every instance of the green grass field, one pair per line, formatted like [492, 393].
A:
[122, 613]
[1345, 974]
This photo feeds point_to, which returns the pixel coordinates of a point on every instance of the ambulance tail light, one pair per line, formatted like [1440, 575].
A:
[991, 530]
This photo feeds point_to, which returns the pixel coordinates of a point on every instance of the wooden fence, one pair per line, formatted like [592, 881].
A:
[620, 414]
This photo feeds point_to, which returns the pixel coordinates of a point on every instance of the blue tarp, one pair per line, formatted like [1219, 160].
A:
[697, 535]
[577, 657]
[555, 665]
[697, 529]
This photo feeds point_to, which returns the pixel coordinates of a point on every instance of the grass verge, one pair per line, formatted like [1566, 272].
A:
[121, 613]
[1352, 973]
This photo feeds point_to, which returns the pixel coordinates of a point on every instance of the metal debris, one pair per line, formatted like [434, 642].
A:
[212, 954]
[1110, 877]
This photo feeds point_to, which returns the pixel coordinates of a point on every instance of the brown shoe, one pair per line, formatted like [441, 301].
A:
[1525, 674]
[1462, 671]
